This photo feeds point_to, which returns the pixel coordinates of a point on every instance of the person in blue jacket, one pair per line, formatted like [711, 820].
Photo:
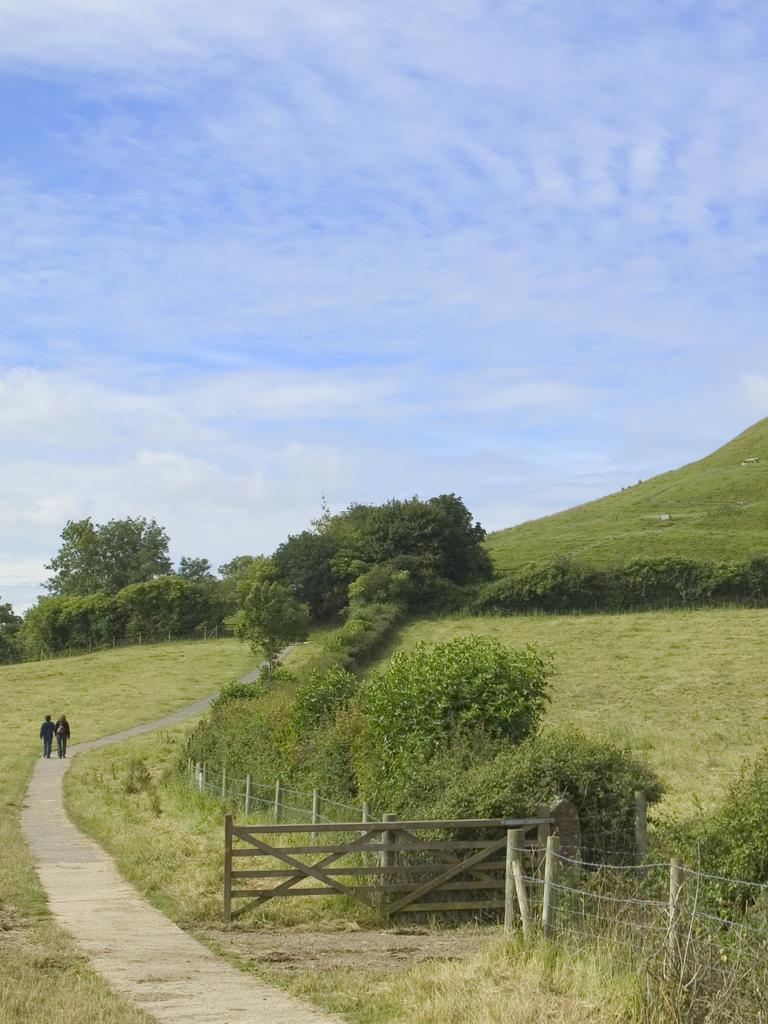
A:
[46, 735]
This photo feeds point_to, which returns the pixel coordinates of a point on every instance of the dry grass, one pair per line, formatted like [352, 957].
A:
[40, 969]
[686, 688]
[504, 984]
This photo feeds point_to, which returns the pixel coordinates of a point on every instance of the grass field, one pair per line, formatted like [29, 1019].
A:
[686, 688]
[40, 970]
[718, 509]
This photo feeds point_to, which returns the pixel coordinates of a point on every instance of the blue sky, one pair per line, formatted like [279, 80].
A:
[251, 254]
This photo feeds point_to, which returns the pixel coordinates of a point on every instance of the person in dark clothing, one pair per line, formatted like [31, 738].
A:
[47, 730]
[62, 735]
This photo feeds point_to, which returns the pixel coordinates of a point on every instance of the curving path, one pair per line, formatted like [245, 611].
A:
[140, 952]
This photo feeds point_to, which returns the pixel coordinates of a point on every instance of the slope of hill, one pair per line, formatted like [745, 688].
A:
[713, 509]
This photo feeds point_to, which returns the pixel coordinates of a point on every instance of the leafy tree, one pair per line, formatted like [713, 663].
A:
[236, 567]
[196, 570]
[270, 615]
[306, 562]
[108, 557]
[10, 624]
[440, 529]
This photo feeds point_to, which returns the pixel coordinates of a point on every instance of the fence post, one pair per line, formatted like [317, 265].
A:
[387, 857]
[315, 811]
[641, 826]
[227, 869]
[278, 798]
[366, 811]
[675, 885]
[509, 885]
[202, 778]
[223, 782]
[551, 865]
[517, 872]
[247, 793]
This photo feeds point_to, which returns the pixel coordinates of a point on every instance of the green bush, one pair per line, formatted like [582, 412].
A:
[732, 840]
[320, 696]
[598, 776]
[366, 628]
[238, 691]
[428, 698]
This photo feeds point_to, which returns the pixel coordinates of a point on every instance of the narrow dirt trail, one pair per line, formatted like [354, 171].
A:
[140, 952]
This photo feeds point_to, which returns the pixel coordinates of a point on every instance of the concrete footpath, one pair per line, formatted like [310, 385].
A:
[139, 951]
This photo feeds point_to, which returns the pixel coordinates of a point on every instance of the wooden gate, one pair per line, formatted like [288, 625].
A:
[401, 866]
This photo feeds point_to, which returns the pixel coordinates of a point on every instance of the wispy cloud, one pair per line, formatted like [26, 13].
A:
[253, 252]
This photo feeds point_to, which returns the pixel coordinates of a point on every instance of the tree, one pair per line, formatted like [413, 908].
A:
[196, 570]
[305, 562]
[10, 624]
[270, 615]
[440, 529]
[106, 558]
[236, 567]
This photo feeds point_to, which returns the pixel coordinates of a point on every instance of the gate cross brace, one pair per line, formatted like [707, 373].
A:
[306, 870]
[455, 869]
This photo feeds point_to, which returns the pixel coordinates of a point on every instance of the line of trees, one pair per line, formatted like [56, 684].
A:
[363, 568]
[116, 581]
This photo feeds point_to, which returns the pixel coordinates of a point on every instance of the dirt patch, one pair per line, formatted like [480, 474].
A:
[290, 950]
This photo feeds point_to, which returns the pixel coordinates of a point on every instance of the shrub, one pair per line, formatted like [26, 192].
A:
[238, 691]
[321, 695]
[598, 776]
[427, 698]
[366, 628]
[732, 840]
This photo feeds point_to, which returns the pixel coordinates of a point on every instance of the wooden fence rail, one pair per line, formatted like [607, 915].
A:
[420, 866]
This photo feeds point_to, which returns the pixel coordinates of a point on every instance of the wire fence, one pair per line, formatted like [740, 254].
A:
[138, 639]
[699, 939]
[282, 803]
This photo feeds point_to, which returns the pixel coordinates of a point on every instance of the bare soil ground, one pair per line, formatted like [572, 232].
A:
[342, 944]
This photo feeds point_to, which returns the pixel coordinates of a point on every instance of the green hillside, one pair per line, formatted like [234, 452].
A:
[717, 509]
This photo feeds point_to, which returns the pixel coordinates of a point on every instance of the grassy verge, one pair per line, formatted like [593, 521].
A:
[40, 968]
[685, 688]
[167, 840]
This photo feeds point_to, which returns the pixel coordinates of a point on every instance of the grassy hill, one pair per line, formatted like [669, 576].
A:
[717, 508]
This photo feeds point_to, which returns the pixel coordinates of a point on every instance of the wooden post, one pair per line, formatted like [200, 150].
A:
[223, 782]
[675, 885]
[278, 798]
[247, 794]
[228, 869]
[387, 857]
[517, 871]
[366, 811]
[509, 885]
[641, 826]
[315, 811]
[551, 866]
[202, 778]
